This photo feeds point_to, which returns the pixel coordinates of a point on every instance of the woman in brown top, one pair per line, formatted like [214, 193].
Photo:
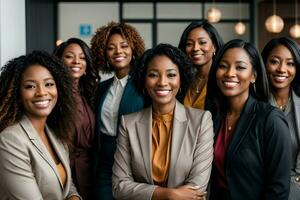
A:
[164, 151]
[76, 55]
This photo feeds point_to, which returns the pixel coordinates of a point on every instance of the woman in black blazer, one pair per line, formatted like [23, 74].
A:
[282, 60]
[252, 144]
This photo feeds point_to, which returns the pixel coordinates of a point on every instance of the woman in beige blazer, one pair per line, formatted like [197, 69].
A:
[36, 115]
[164, 151]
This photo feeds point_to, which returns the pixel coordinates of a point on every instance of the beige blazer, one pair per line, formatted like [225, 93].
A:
[27, 170]
[191, 152]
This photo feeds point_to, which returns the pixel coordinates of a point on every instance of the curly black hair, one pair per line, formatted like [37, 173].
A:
[62, 118]
[294, 48]
[183, 63]
[100, 39]
[88, 82]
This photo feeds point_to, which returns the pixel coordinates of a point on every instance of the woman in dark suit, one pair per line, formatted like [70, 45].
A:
[115, 48]
[164, 151]
[252, 144]
[77, 57]
[201, 42]
[36, 119]
[282, 60]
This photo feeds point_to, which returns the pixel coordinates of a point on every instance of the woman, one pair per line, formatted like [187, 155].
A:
[77, 56]
[282, 60]
[36, 112]
[115, 48]
[252, 149]
[164, 151]
[200, 41]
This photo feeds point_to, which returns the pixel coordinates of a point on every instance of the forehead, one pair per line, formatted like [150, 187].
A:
[36, 72]
[73, 47]
[161, 63]
[236, 54]
[198, 32]
[281, 51]
[115, 38]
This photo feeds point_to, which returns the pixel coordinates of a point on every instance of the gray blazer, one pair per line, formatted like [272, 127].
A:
[191, 152]
[27, 170]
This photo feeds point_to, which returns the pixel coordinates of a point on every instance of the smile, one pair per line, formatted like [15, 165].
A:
[119, 59]
[75, 69]
[230, 84]
[162, 92]
[42, 104]
[280, 78]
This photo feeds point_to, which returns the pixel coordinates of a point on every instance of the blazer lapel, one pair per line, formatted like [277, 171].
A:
[37, 142]
[144, 125]
[242, 128]
[180, 124]
[296, 102]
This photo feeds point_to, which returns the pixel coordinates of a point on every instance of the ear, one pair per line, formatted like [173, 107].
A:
[254, 76]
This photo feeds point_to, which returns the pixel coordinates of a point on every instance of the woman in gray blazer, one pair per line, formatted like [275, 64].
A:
[36, 115]
[282, 60]
[164, 151]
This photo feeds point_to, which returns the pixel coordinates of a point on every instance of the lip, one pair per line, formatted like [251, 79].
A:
[162, 92]
[119, 58]
[197, 56]
[75, 69]
[280, 78]
[230, 84]
[41, 104]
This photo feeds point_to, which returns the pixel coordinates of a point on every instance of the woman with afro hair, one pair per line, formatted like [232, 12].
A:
[36, 119]
[115, 48]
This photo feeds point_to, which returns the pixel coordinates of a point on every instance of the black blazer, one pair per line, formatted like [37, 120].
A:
[257, 161]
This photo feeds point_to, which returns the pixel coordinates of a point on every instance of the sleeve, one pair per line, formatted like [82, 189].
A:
[123, 184]
[203, 154]
[277, 156]
[16, 176]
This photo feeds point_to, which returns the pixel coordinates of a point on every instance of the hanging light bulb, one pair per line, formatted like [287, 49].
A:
[58, 42]
[214, 14]
[240, 28]
[274, 23]
[295, 29]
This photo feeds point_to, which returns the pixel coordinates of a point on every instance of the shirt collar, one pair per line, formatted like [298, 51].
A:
[123, 80]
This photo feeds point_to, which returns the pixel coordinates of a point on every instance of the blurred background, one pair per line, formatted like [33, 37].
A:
[27, 25]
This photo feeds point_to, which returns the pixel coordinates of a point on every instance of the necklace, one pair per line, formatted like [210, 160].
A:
[199, 84]
[230, 124]
[283, 106]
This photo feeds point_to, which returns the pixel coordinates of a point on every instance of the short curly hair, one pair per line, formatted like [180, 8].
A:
[183, 63]
[100, 39]
[88, 82]
[62, 118]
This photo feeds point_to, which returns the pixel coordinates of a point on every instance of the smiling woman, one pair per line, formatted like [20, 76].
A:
[36, 112]
[164, 151]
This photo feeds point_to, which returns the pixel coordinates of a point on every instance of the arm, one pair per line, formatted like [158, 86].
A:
[203, 154]
[16, 176]
[123, 184]
[277, 157]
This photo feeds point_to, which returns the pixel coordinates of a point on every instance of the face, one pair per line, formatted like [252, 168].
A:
[38, 92]
[199, 47]
[235, 73]
[119, 53]
[74, 58]
[281, 67]
[162, 81]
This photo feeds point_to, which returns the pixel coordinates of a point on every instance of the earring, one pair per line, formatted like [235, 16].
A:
[214, 53]
[254, 87]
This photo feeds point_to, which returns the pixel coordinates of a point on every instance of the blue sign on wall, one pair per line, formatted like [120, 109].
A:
[85, 30]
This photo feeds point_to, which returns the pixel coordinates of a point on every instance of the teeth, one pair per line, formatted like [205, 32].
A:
[42, 103]
[119, 59]
[197, 56]
[75, 69]
[280, 78]
[230, 84]
[162, 92]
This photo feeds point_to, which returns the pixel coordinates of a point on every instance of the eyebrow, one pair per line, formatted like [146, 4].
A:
[31, 80]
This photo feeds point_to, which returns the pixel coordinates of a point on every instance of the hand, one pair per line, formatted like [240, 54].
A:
[187, 192]
[74, 198]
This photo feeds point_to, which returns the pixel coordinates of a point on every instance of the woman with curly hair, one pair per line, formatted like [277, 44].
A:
[164, 151]
[77, 56]
[36, 119]
[282, 61]
[200, 41]
[115, 48]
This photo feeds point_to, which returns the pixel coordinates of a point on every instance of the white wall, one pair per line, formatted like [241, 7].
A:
[12, 29]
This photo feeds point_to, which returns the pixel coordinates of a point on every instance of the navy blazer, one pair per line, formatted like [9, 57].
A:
[257, 160]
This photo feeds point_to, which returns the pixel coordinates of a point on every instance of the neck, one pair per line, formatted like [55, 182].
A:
[39, 125]
[203, 70]
[236, 104]
[281, 95]
[122, 73]
[163, 109]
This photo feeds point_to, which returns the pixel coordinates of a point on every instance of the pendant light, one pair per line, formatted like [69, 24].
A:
[295, 29]
[240, 27]
[274, 23]
[214, 14]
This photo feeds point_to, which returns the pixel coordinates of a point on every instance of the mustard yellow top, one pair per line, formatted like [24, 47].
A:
[199, 101]
[161, 142]
[62, 173]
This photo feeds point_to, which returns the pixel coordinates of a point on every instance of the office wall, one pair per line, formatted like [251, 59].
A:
[12, 29]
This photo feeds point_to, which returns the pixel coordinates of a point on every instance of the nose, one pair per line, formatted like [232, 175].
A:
[162, 80]
[118, 50]
[76, 60]
[41, 91]
[281, 67]
[196, 46]
[230, 72]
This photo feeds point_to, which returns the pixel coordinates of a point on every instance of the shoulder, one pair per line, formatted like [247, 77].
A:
[13, 136]
[135, 116]
[197, 115]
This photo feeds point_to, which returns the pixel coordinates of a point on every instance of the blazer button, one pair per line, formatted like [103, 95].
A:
[297, 179]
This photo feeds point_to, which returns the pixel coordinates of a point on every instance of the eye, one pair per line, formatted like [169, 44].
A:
[202, 42]
[291, 64]
[82, 58]
[172, 75]
[68, 56]
[222, 66]
[274, 61]
[189, 44]
[109, 48]
[29, 86]
[152, 74]
[50, 84]
[125, 45]
[240, 67]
